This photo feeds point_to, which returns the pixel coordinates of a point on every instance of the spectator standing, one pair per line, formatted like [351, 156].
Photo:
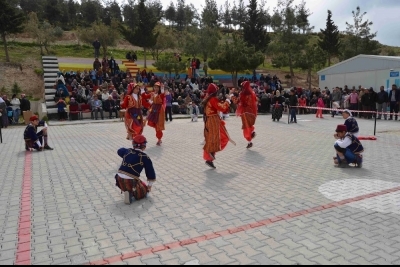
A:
[112, 65]
[381, 101]
[394, 98]
[354, 101]
[168, 103]
[62, 115]
[96, 64]
[16, 107]
[293, 102]
[3, 112]
[96, 46]
[25, 104]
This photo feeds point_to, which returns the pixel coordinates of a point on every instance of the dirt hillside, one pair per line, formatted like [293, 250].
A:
[24, 75]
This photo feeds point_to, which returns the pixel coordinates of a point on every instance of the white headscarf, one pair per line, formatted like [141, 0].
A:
[1, 100]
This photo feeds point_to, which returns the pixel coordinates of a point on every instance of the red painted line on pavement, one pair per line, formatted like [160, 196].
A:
[23, 255]
[231, 231]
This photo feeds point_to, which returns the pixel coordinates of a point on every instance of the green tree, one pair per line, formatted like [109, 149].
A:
[170, 14]
[165, 40]
[29, 6]
[302, 18]
[91, 11]
[241, 14]
[112, 12]
[52, 11]
[72, 13]
[43, 32]
[288, 43]
[181, 15]
[265, 17]
[170, 64]
[11, 21]
[359, 39]
[330, 41]
[144, 34]
[155, 8]
[129, 12]
[208, 41]
[235, 57]
[276, 20]
[226, 15]
[107, 35]
[234, 15]
[253, 30]
[312, 58]
[210, 15]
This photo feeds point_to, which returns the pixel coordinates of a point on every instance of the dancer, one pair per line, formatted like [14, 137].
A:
[132, 103]
[247, 110]
[350, 122]
[133, 163]
[36, 140]
[215, 134]
[156, 116]
[348, 148]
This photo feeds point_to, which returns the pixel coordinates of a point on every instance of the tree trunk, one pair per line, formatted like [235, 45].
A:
[329, 60]
[104, 51]
[309, 78]
[145, 63]
[3, 36]
[291, 70]
[234, 79]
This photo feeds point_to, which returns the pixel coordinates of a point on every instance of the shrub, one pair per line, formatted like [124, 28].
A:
[39, 72]
[45, 118]
[287, 76]
[16, 89]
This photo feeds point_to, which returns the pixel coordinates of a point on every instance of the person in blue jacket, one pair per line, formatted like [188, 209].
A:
[36, 140]
[134, 160]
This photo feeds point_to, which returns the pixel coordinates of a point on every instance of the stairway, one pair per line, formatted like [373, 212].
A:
[50, 69]
[131, 66]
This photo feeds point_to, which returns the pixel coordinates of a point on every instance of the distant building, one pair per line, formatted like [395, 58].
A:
[365, 70]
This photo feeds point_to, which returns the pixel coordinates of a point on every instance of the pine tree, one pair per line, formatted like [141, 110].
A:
[143, 35]
[330, 41]
[11, 21]
[254, 32]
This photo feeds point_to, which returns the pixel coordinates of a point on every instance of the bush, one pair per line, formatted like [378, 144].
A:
[39, 72]
[287, 76]
[45, 118]
[16, 89]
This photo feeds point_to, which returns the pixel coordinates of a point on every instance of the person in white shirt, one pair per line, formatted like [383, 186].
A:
[15, 105]
[194, 112]
[348, 148]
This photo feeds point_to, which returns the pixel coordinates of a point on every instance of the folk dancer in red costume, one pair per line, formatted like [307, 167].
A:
[132, 103]
[247, 110]
[215, 134]
[156, 104]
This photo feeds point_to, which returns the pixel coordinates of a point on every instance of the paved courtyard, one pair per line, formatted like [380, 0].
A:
[282, 202]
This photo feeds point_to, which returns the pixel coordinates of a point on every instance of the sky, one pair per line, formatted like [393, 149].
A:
[384, 14]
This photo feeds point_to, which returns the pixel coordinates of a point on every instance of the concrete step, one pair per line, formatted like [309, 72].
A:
[50, 75]
[49, 61]
[49, 97]
[48, 57]
[52, 111]
[49, 84]
[50, 91]
[55, 70]
[49, 80]
[50, 66]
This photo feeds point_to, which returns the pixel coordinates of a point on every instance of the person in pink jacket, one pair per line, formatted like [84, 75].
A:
[320, 105]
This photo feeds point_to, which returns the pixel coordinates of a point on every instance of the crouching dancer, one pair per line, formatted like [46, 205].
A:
[36, 140]
[348, 148]
[133, 162]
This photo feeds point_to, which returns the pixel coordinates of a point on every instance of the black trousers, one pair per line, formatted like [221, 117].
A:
[168, 113]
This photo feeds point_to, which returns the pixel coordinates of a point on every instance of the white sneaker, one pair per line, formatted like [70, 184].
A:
[127, 197]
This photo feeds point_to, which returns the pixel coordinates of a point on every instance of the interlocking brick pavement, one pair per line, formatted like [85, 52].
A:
[78, 216]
